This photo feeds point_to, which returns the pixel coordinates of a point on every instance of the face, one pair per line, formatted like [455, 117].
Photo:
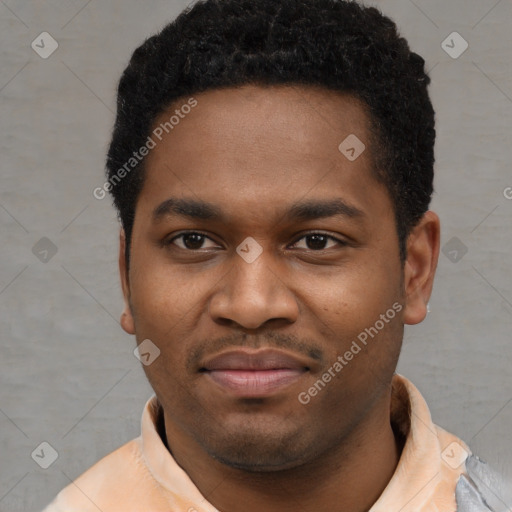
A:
[261, 256]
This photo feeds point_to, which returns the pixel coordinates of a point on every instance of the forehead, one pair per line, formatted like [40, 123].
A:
[297, 116]
[257, 148]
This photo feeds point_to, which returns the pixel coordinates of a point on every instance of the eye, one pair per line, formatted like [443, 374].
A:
[191, 241]
[319, 241]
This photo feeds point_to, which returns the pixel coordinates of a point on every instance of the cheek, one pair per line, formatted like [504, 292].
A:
[353, 296]
[168, 304]
[162, 294]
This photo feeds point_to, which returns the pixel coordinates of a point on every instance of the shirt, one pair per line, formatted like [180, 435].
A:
[142, 475]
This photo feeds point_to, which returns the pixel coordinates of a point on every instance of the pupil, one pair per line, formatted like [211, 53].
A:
[193, 241]
[317, 241]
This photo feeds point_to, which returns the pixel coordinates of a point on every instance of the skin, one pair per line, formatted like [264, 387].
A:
[254, 152]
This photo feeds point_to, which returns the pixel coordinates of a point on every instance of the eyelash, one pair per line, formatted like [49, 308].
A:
[341, 243]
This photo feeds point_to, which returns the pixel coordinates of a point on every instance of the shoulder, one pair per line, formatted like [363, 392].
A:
[108, 485]
[480, 488]
[477, 485]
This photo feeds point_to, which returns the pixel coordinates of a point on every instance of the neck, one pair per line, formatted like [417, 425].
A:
[350, 477]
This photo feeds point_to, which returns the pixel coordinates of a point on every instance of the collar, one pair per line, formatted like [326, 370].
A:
[422, 480]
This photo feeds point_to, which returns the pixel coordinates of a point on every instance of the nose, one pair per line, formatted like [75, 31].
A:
[252, 294]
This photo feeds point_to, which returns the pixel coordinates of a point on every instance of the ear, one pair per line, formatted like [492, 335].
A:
[420, 267]
[127, 322]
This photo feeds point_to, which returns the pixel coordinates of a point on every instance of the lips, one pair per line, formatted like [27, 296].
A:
[255, 374]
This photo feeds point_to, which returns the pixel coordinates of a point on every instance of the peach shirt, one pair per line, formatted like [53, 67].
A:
[142, 475]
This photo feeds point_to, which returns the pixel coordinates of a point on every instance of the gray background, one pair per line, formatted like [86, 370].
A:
[68, 374]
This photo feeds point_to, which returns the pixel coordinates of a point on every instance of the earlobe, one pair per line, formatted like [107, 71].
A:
[127, 322]
[420, 267]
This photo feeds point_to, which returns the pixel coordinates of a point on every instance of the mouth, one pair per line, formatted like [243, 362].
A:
[254, 374]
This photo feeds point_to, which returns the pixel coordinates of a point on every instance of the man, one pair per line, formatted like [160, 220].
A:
[272, 165]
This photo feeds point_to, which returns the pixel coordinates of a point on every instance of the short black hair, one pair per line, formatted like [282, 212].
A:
[334, 44]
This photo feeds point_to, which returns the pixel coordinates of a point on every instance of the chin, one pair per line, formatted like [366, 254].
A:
[258, 461]
[258, 450]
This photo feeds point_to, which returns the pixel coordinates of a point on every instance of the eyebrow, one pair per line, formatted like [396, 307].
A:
[311, 210]
[190, 208]
[305, 210]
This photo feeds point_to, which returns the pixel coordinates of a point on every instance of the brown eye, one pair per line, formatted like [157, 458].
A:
[318, 242]
[191, 241]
